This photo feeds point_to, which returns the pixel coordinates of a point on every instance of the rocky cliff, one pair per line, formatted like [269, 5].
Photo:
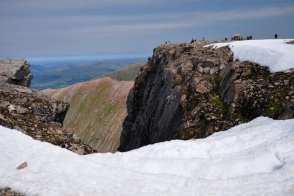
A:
[15, 72]
[189, 91]
[30, 111]
[97, 110]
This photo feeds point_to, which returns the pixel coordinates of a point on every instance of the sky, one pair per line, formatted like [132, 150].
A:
[39, 28]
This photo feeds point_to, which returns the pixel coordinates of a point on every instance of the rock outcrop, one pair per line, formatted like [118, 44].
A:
[33, 113]
[189, 91]
[9, 192]
[15, 72]
[97, 110]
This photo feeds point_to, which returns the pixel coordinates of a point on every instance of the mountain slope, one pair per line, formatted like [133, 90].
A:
[128, 73]
[97, 110]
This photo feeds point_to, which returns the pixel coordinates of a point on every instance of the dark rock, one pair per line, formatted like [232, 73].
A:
[8, 192]
[15, 72]
[190, 91]
[22, 166]
[38, 116]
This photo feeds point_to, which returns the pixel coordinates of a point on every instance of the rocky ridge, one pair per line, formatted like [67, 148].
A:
[30, 111]
[189, 91]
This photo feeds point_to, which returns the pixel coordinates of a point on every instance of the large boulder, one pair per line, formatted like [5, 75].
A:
[15, 72]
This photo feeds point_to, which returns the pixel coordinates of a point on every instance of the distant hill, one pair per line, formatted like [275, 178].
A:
[59, 73]
[128, 73]
[98, 107]
[97, 110]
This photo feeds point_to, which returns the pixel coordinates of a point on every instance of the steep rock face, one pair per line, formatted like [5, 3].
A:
[97, 110]
[33, 113]
[15, 72]
[189, 91]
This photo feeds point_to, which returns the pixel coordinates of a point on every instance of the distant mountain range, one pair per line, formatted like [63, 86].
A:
[58, 72]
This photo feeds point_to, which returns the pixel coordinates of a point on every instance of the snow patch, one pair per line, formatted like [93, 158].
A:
[256, 158]
[273, 53]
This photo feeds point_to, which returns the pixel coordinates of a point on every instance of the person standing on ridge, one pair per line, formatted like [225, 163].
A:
[276, 36]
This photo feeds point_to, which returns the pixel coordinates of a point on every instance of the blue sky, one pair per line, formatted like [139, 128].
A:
[32, 28]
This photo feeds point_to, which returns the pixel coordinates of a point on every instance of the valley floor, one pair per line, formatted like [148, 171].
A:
[256, 158]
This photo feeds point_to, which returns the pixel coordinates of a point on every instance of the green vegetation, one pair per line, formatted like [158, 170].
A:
[274, 106]
[218, 80]
[96, 112]
[217, 101]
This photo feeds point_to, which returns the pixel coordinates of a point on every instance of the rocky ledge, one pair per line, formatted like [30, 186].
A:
[33, 113]
[190, 91]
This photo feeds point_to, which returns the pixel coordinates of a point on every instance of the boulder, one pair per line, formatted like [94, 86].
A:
[15, 72]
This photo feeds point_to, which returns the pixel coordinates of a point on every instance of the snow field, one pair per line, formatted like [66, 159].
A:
[273, 53]
[256, 158]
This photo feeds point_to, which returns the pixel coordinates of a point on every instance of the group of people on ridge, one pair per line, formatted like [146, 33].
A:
[235, 37]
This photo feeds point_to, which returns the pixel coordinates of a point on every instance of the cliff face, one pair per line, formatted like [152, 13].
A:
[31, 112]
[97, 110]
[189, 91]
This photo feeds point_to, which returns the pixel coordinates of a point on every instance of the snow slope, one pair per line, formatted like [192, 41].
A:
[256, 158]
[273, 53]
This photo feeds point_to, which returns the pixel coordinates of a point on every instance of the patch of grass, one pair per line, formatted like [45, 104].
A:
[218, 80]
[273, 106]
[217, 101]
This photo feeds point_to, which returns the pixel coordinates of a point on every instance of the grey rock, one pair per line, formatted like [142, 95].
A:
[213, 70]
[206, 70]
[15, 72]
[22, 166]
[209, 63]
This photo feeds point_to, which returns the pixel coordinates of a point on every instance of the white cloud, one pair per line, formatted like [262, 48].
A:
[54, 22]
[130, 23]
